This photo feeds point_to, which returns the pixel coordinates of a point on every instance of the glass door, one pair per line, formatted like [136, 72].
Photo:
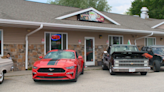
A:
[89, 51]
[55, 41]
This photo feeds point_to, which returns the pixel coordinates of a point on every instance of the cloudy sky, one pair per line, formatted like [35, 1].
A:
[118, 6]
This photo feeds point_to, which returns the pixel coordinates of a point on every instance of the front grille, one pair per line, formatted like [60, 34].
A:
[132, 63]
[51, 70]
[52, 77]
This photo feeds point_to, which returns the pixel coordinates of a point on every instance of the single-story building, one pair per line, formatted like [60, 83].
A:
[29, 29]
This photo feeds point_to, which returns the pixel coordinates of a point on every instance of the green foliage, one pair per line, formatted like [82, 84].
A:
[156, 8]
[101, 5]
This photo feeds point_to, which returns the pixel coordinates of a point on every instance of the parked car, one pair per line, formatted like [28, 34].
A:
[6, 65]
[58, 65]
[125, 58]
[155, 53]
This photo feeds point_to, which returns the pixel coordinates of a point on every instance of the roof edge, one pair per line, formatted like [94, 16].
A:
[20, 22]
[157, 25]
[85, 10]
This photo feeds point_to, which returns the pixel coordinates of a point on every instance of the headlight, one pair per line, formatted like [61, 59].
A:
[34, 67]
[116, 64]
[145, 64]
[145, 61]
[71, 67]
[116, 61]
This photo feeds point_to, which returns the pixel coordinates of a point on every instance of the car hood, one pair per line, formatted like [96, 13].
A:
[55, 63]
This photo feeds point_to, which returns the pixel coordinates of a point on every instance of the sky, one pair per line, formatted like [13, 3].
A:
[118, 6]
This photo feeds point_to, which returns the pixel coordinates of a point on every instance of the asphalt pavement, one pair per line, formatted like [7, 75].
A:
[93, 80]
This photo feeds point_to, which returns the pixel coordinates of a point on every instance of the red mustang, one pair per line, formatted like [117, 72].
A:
[58, 65]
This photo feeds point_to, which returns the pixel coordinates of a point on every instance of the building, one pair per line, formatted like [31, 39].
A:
[29, 29]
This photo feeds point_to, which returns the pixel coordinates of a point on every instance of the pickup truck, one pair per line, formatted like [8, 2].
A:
[125, 58]
[6, 65]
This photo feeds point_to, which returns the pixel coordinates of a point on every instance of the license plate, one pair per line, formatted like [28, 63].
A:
[50, 74]
[132, 70]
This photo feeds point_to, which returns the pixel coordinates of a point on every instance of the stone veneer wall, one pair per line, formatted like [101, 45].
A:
[17, 52]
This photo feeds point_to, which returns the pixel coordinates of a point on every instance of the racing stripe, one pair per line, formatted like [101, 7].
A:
[52, 62]
[56, 62]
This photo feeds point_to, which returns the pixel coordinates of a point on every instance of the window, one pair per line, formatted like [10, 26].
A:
[150, 41]
[115, 39]
[55, 41]
[60, 55]
[1, 44]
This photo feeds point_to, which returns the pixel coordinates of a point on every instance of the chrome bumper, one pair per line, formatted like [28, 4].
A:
[131, 69]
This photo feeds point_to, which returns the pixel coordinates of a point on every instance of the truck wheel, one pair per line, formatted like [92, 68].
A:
[110, 70]
[156, 66]
[2, 78]
[104, 67]
[143, 73]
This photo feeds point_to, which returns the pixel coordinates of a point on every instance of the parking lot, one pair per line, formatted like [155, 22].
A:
[94, 80]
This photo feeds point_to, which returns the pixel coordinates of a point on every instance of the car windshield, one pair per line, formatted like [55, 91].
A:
[123, 48]
[60, 55]
[158, 50]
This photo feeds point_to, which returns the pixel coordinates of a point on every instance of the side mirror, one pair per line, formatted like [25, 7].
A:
[80, 57]
[40, 57]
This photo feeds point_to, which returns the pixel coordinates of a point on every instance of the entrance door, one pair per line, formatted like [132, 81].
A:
[89, 51]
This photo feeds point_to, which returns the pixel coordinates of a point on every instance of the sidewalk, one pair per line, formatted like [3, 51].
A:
[29, 72]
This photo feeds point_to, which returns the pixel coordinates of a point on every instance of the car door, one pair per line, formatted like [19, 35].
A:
[107, 57]
[79, 62]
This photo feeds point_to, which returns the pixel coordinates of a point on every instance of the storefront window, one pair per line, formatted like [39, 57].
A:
[0, 42]
[115, 40]
[150, 41]
[56, 41]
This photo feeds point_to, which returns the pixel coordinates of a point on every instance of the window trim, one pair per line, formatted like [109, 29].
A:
[116, 35]
[55, 33]
[147, 41]
[1, 42]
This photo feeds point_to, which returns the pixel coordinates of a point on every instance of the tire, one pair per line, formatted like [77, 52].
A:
[104, 67]
[110, 70]
[143, 73]
[36, 80]
[82, 72]
[2, 78]
[156, 66]
[75, 80]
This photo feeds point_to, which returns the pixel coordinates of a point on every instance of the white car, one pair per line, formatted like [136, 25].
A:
[6, 65]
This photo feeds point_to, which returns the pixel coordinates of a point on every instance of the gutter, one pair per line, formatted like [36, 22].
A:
[107, 29]
[26, 55]
[142, 37]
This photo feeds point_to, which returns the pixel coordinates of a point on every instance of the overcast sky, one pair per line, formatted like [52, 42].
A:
[118, 6]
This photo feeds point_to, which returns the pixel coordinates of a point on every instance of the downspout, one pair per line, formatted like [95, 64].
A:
[26, 55]
[142, 37]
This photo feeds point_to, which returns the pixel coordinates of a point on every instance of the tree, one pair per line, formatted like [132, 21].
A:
[156, 8]
[101, 5]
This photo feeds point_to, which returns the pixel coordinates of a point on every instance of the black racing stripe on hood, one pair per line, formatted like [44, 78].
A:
[53, 62]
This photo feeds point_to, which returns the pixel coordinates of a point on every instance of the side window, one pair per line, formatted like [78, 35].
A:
[76, 55]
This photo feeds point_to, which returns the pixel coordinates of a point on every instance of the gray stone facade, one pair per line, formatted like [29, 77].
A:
[35, 50]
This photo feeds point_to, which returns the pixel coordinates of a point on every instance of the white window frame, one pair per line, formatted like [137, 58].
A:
[147, 40]
[50, 39]
[1, 42]
[117, 36]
